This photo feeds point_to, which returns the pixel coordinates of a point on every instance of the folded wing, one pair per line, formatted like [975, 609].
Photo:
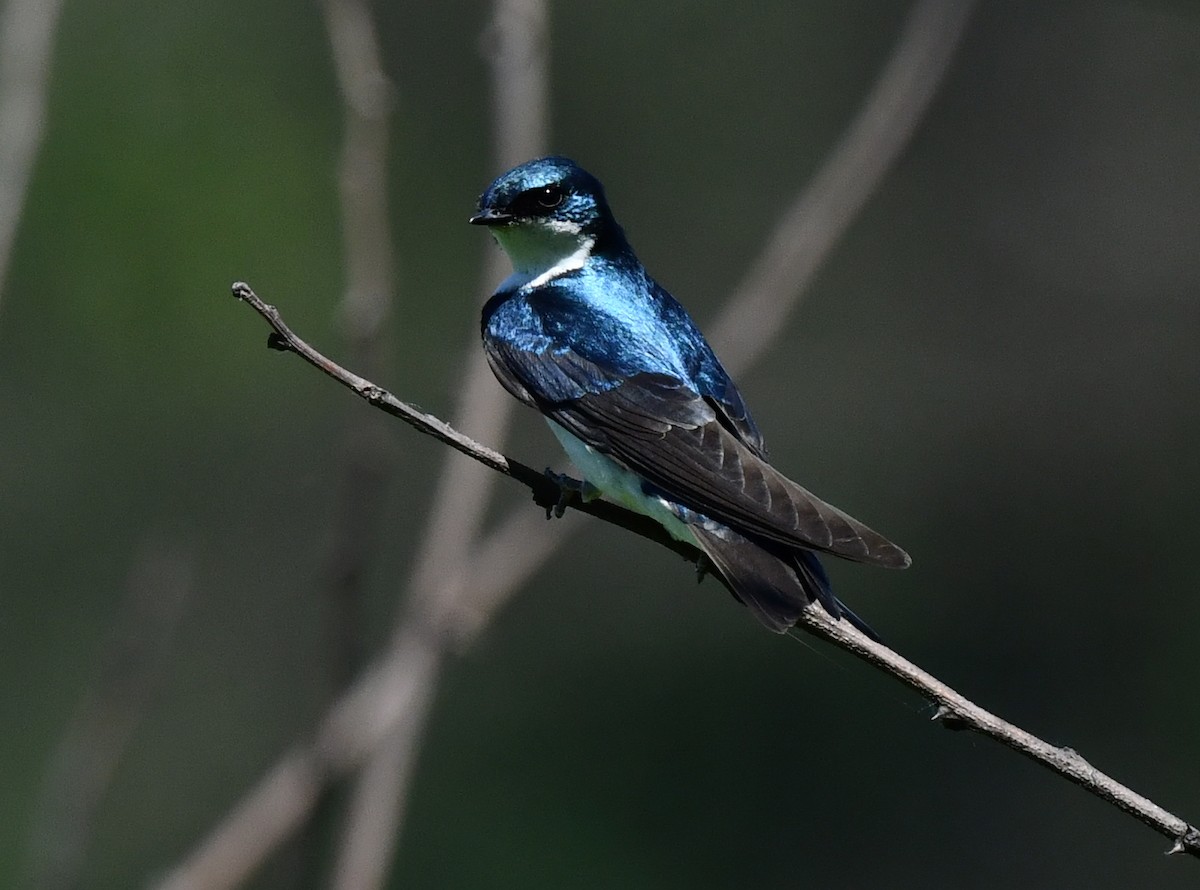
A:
[686, 445]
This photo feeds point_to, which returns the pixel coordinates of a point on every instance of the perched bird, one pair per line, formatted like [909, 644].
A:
[639, 401]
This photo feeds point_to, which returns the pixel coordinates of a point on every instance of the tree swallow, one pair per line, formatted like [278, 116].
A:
[640, 403]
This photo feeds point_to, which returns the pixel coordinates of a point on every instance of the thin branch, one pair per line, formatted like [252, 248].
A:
[81, 769]
[956, 711]
[546, 491]
[500, 568]
[376, 706]
[26, 39]
[284, 340]
[516, 43]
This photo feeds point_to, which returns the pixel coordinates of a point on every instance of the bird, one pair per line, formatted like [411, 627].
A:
[640, 403]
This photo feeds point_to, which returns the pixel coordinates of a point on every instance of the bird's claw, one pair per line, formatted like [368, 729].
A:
[570, 490]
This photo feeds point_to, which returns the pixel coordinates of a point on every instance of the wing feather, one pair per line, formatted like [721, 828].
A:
[672, 437]
[685, 445]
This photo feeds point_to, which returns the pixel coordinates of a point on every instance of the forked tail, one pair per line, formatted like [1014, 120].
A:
[774, 582]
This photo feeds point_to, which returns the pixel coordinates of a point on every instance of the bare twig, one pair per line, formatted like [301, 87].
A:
[516, 47]
[283, 339]
[82, 766]
[952, 707]
[958, 712]
[26, 37]
[929, 38]
[546, 492]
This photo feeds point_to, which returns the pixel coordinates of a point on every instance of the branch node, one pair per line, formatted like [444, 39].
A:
[949, 718]
[1188, 842]
[241, 290]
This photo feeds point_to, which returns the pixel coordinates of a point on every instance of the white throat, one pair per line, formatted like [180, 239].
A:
[542, 251]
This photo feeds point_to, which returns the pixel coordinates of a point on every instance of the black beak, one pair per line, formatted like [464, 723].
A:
[490, 217]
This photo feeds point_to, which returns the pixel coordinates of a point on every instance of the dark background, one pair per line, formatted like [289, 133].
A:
[997, 367]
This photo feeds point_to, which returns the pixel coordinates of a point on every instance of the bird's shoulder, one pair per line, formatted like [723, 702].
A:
[603, 312]
[609, 324]
[543, 344]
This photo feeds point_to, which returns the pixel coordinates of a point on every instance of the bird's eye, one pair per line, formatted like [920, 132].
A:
[549, 197]
[536, 203]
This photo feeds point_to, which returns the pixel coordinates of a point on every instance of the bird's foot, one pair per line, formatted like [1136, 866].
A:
[570, 490]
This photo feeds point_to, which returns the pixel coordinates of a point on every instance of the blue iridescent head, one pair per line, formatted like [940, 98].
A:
[549, 203]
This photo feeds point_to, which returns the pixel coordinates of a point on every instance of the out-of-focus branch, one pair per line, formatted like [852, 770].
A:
[930, 36]
[81, 768]
[367, 104]
[367, 99]
[367, 246]
[822, 213]
[387, 694]
[515, 44]
[26, 38]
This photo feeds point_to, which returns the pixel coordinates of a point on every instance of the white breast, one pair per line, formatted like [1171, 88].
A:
[619, 485]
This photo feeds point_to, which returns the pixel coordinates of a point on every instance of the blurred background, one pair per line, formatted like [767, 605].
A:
[996, 366]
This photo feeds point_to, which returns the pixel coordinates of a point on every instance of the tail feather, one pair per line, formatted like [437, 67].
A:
[776, 584]
[814, 580]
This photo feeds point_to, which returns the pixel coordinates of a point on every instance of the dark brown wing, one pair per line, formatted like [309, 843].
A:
[686, 445]
[673, 438]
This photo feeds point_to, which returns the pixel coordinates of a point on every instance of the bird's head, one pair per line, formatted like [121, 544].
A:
[546, 212]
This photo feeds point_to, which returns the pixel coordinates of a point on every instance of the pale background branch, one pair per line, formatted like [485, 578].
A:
[991, 365]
